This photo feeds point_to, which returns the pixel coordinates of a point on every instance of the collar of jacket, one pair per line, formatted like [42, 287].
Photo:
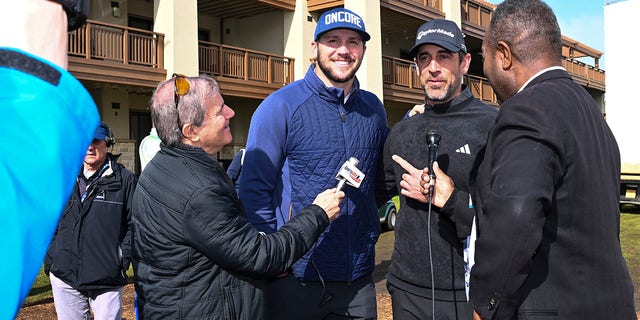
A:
[111, 159]
[457, 104]
[547, 75]
[331, 94]
[191, 152]
[111, 176]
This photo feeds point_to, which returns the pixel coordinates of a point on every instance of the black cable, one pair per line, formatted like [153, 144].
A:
[433, 290]
[323, 302]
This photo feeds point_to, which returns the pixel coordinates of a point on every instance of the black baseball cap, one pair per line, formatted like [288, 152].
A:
[441, 32]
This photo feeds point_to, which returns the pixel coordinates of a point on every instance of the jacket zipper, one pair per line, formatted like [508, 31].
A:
[342, 110]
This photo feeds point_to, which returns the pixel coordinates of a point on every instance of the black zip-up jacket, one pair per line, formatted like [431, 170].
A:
[91, 248]
[195, 255]
[463, 124]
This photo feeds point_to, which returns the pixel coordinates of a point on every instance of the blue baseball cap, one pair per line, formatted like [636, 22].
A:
[340, 18]
[102, 132]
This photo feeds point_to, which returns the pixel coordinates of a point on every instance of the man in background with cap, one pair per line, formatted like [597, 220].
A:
[298, 139]
[425, 241]
[43, 105]
[90, 252]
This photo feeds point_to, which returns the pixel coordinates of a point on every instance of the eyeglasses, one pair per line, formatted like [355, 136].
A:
[182, 87]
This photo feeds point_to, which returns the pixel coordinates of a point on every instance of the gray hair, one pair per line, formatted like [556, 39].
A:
[192, 109]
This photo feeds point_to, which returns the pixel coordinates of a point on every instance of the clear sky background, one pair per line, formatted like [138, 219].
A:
[582, 21]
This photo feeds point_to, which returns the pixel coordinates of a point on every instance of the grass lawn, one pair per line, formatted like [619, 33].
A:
[629, 238]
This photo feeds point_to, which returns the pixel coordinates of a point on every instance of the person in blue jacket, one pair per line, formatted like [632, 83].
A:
[235, 168]
[298, 138]
[47, 121]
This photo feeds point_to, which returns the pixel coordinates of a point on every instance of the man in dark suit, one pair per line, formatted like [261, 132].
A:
[546, 190]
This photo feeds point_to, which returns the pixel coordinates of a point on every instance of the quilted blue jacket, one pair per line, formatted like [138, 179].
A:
[298, 138]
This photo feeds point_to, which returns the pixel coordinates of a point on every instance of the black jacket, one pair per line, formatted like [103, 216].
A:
[463, 125]
[546, 192]
[91, 247]
[195, 255]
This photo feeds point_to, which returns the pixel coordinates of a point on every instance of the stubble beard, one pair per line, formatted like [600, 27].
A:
[447, 95]
[333, 77]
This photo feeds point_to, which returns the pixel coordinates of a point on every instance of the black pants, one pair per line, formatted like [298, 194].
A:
[407, 306]
[289, 298]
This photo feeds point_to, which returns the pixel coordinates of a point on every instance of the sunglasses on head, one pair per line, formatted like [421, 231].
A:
[181, 88]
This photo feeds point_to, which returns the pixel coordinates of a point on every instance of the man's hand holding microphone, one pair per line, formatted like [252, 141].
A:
[330, 199]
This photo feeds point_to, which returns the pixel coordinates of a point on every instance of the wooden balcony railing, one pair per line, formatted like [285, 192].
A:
[108, 42]
[435, 4]
[476, 13]
[238, 63]
[481, 89]
[400, 72]
[581, 71]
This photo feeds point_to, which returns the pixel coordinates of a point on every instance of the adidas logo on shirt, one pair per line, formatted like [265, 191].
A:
[464, 149]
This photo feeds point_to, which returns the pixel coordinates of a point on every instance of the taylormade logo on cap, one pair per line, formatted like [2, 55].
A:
[444, 32]
[340, 18]
[441, 32]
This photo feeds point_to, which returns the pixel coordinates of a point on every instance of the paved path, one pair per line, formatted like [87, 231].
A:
[384, 248]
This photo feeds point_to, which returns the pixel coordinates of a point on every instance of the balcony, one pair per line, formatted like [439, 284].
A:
[244, 73]
[481, 89]
[402, 83]
[226, 9]
[116, 54]
[584, 74]
[315, 5]
[476, 16]
[417, 8]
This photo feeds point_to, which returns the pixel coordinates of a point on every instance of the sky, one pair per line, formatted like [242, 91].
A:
[582, 21]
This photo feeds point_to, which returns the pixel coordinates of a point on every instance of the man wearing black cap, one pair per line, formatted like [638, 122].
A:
[89, 255]
[426, 278]
[298, 139]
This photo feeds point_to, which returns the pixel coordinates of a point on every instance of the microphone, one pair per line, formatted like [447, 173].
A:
[433, 139]
[349, 174]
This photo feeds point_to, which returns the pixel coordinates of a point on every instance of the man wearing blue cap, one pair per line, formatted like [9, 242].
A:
[90, 252]
[426, 278]
[298, 139]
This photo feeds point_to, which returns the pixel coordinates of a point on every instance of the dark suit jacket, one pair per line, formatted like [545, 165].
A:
[546, 192]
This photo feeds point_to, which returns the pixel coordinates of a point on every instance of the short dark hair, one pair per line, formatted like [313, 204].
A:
[529, 27]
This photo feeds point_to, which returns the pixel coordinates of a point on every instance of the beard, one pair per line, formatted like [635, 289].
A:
[447, 95]
[328, 72]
